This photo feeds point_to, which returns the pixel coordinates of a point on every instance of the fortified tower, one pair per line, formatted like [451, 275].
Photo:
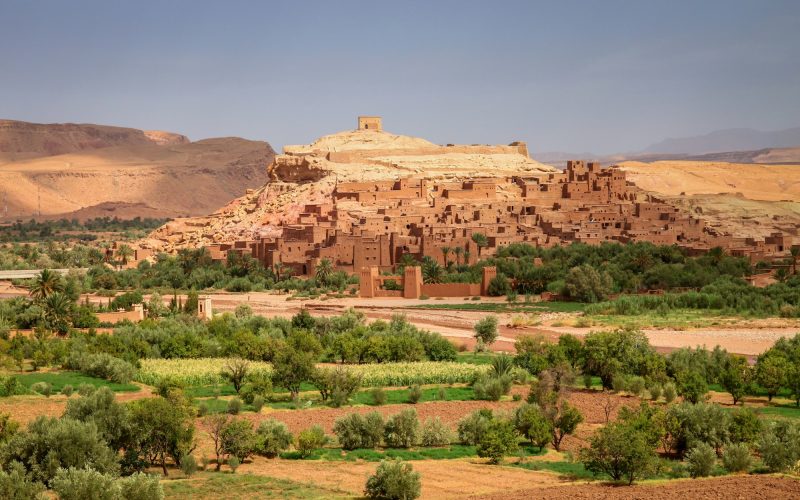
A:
[370, 123]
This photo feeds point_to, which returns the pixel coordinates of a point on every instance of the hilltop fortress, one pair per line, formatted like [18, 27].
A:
[365, 198]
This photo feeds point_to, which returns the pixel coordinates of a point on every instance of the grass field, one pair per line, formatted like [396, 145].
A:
[59, 379]
[206, 485]
[451, 452]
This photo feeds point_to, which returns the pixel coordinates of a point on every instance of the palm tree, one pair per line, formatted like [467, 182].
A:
[795, 252]
[432, 272]
[125, 252]
[47, 283]
[481, 240]
[57, 309]
[467, 255]
[405, 261]
[278, 268]
[324, 271]
[458, 251]
[445, 253]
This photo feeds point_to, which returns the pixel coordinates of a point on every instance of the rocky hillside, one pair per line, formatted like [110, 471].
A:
[91, 170]
[309, 173]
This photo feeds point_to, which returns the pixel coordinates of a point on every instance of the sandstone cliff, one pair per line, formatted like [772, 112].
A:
[90, 170]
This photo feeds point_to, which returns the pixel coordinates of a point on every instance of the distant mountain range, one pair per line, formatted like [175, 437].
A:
[736, 145]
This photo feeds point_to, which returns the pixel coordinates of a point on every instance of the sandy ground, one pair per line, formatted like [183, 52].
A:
[457, 325]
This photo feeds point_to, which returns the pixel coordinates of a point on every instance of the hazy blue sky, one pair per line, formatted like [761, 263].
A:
[599, 76]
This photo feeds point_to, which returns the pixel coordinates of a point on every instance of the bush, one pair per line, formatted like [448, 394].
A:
[435, 433]
[700, 460]
[258, 404]
[10, 386]
[49, 444]
[737, 458]
[492, 388]
[86, 389]
[67, 390]
[188, 465]
[636, 386]
[16, 484]
[234, 406]
[655, 391]
[101, 365]
[669, 392]
[779, 445]
[378, 396]
[42, 388]
[310, 440]
[238, 439]
[234, 464]
[472, 427]
[500, 439]
[338, 385]
[402, 429]
[745, 426]
[532, 424]
[80, 484]
[619, 383]
[356, 431]
[393, 480]
[621, 450]
[272, 437]
[693, 387]
[110, 417]
[414, 394]
[486, 330]
[140, 486]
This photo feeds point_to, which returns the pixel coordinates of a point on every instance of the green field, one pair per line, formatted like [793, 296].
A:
[370, 455]
[206, 485]
[59, 379]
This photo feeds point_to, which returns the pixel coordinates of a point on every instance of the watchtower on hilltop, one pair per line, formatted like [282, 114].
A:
[370, 123]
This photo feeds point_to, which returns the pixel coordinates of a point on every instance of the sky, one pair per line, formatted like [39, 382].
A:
[576, 76]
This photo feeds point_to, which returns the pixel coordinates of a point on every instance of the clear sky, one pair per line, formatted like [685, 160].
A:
[600, 76]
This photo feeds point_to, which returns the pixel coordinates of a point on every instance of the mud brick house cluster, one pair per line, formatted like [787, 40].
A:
[366, 227]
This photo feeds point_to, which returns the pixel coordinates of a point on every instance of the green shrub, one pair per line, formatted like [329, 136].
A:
[414, 394]
[202, 409]
[111, 418]
[42, 388]
[311, 439]
[737, 458]
[587, 380]
[779, 445]
[636, 386]
[234, 464]
[402, 429]
[669, 392]
[80, 484]
[49, 444]
[500, 439]
[272, 437]
[532, 424]
[356, 431]
[337, 385]
[441, 394]
[700, 460]
[472, 427]
[16, 484]
[393, 480]
[10, 386]
[188, 465]
[693, 387]
[67, 390]
[140, 486]
[486, 330]
[101, 365]
[86, 389]
[234, 406]
[492, 388]
[258, 404]
[619, 382]
[435, 433]
[745, 426]
[655, 391]
[378, 396]
[238, 439]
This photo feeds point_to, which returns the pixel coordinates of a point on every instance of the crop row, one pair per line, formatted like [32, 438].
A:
[206, 371]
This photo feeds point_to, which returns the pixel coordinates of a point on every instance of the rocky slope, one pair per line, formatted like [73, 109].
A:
[309, 173]
[91, 170]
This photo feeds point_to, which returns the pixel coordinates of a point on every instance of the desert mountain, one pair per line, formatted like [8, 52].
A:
[735, 139]
[77, 170]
